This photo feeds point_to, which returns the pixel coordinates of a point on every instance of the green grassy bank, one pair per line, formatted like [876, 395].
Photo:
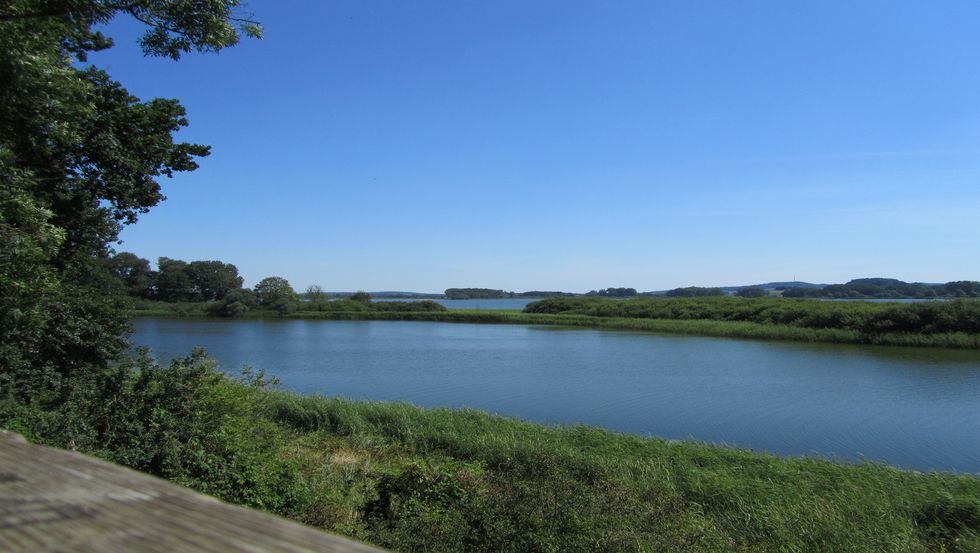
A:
[934, 324]
[413, 479]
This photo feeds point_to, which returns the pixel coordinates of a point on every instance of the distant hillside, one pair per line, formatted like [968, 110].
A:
[859, 288]
[793, 284]
[693, 290]
[889, 288]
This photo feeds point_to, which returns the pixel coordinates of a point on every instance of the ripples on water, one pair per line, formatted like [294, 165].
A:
[917, 408]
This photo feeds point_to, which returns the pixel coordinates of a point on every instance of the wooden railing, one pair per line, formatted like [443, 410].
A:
[53, 500]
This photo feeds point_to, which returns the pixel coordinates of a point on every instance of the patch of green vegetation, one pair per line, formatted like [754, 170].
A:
[945, 324]
[415, 479]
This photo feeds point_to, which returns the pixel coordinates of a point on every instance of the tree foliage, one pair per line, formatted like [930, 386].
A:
[752, 292]
[276, 293]
[79, 158]
[474, 293]
[613, 292]
[885, 288]
[695, 292]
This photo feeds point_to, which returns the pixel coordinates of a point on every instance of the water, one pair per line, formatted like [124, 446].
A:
[915, 408]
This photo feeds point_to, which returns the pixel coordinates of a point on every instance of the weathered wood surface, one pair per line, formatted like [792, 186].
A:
[60, 501]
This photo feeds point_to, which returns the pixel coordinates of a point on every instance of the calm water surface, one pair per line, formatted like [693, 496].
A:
[917, 408]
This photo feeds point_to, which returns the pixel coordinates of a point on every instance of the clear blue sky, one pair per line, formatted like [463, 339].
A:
[566, 145]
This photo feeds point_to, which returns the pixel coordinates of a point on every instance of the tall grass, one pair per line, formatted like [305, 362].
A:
[454, 480]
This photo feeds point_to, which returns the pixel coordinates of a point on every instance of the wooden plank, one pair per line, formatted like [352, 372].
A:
[59, 501]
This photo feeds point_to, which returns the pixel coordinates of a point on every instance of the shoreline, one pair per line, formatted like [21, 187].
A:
[690, 327]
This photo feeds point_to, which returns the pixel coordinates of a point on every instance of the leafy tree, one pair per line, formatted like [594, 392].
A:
[613, 292]
[361, 296]
[134, 272]
[236, 303]
[79, 158]
[212, 280]
[695, 292]
[276, 293]
[474, 293]
[316, 295]
[172, 282]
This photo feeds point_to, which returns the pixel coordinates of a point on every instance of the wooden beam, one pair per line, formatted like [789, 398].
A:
[59, 501]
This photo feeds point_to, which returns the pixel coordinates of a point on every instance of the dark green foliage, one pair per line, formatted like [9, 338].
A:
[80, 157]
[173, 28]
[752, 292]
[885, 288]
[133, 272]
[186, 422]
[361, 296]
[235, 304]
[213, 280]
[315, 295]
[177, 280]
[277, 294]
[172, 282]
[863, 317]
[613, 292]
[543, 294]
[474, 293]
[407, 306]
[695, 292]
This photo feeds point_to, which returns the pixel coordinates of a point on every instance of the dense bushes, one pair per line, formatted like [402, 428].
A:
[186, 422]
[864, 317]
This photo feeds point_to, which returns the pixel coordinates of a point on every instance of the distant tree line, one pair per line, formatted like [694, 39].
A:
[474, 294]
[218, 286]
[174, 280]
[215, 282]
[695, 292]
[613, 292]
[865, 317]
[888, 288]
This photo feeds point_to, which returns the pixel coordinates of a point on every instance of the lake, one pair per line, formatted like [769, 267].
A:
[914, 408]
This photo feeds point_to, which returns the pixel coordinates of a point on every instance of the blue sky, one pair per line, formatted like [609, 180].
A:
[567, 145]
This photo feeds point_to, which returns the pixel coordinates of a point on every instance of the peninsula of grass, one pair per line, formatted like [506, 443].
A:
[415, 479]
[948, 324]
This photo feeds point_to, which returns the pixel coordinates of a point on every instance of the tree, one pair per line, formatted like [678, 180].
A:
[316, 295]
[133, 272]
[752, 292]
[474, 293]
[694, 292]
[172, 283]
[361, 296]
[213, 280]
[276, 293]
[79, 158]
[234, 304]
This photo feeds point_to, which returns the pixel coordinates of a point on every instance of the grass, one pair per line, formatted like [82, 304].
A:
[415, 479]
